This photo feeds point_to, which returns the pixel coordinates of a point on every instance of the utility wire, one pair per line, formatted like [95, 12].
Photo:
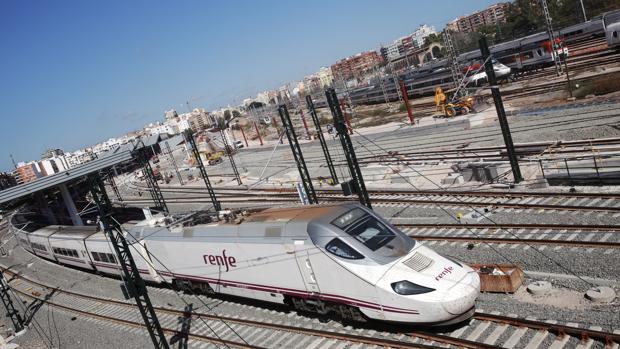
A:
[570, 271]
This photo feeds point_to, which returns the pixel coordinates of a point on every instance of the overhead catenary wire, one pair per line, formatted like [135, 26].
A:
[182, 299]
[567, 269]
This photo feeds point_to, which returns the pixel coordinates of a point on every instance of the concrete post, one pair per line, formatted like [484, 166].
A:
[70, 205]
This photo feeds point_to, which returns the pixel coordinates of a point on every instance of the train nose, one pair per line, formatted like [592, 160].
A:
[462, 296]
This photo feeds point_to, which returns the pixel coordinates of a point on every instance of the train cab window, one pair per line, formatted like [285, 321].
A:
[341, 249]
[365, 228]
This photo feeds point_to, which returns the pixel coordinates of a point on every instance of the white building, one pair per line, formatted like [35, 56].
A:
[421, 33]
[325, 76]
[393, 51]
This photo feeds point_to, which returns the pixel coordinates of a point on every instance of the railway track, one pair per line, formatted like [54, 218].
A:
[484, 330]
[545, 235]
[489, 201]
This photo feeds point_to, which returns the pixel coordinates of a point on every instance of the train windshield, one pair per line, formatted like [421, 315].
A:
[365, 228]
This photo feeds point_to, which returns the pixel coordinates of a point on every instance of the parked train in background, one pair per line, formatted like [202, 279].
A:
[512, 58]
[611, 25]
[325, 258]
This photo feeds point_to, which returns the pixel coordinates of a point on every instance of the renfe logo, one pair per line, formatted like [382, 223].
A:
[220, 260]
[446, 271]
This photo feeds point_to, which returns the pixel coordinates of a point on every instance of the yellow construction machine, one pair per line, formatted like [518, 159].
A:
[459, 107]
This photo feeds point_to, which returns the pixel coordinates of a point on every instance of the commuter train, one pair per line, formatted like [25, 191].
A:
[611, 25]
[343, 259]
[512, 58]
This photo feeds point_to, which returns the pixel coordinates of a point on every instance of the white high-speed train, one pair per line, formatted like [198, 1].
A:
[327, 258]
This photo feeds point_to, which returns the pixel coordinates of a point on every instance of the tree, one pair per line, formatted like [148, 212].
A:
[236, 114]
[438, 38]
[227, 115]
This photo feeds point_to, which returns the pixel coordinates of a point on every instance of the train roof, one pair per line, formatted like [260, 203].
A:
[72, 232]
[45, 231]
[275, 223]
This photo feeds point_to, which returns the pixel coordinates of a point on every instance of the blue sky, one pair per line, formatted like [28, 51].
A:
[75, 73]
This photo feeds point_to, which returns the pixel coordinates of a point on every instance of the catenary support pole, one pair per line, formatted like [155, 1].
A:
[347, 147]
[501, 113]
[347, 119]
[228, 150]
[245, 140]
[11, 312]
[112, 182]
[306, 180]
[319, 131]
[156, 194]
[403, 90]
[173, 162]
[278, 132]
[134, 283]
[260, 138]
[303, 120]
[189, 137]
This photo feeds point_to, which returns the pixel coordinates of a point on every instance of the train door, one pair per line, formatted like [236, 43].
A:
[149, 262]
[303, 248]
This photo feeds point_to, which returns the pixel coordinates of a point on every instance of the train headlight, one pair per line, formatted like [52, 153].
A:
[407, 288]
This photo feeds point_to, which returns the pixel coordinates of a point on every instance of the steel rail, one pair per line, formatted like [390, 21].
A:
[546, 242]
[594, 227]
[274, 326]
[583, 333]
[327, 199]
[134, 323]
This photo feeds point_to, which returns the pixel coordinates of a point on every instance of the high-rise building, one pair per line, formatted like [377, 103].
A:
[356, 66]
[492, 15]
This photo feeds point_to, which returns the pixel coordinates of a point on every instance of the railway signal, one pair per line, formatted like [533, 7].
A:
[501, 113]
[347, 147]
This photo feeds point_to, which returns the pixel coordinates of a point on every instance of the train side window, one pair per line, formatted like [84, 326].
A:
[341, 249]
[539, 51]
[96, 256]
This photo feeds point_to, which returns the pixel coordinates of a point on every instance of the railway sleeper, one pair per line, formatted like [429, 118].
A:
[320, 307]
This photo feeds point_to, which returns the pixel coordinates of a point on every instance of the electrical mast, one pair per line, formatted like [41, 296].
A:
[455, 69]
[552, 38]
[134, 283]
